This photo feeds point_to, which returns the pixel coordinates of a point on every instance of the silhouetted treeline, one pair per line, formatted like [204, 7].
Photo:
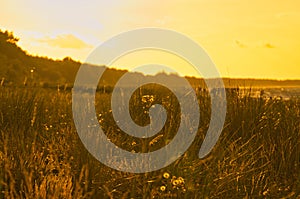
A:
[19, 68]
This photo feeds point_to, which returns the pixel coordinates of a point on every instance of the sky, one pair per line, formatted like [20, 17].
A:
[245, 39]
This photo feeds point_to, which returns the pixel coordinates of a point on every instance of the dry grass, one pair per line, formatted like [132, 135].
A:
[41, 156]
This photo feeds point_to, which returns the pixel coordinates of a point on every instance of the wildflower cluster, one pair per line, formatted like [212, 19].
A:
[172, 183]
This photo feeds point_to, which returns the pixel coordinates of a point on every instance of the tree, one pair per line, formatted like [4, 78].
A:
[8, 37]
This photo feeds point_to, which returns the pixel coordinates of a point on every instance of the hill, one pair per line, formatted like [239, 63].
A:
[19, 68]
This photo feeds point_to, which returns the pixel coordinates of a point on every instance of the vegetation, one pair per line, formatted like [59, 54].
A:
[19, 68]
[41, 156]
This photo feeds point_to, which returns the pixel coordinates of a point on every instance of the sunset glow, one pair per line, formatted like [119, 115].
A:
[257, 39]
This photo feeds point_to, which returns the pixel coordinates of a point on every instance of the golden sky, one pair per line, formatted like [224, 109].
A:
[255, 38]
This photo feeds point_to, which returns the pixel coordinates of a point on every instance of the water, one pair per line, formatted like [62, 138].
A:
[284, 93]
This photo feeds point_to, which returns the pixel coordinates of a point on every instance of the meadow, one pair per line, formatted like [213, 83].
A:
[41, 155]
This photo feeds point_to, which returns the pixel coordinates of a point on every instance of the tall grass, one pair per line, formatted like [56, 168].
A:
[41, 156]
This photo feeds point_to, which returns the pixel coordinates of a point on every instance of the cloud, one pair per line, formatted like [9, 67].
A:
[240, 44]
[65, 41]
[253, 45]
[287, 14]
[268, 45]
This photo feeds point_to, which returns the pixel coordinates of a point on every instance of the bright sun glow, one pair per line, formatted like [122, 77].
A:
[245, 39]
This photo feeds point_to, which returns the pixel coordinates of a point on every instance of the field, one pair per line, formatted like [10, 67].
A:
[41, 155]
